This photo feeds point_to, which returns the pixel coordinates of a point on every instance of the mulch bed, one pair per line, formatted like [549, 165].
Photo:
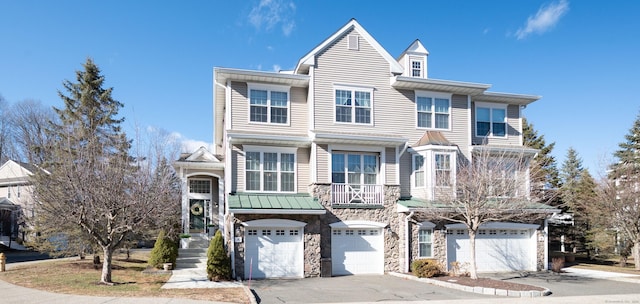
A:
[487, 283]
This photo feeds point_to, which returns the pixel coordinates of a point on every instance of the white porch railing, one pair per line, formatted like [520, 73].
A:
[350, 194]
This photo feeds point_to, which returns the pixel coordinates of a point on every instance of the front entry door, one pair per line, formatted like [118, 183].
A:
[196, 215]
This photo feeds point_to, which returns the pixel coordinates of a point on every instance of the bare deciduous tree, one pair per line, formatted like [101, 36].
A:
[95, 189]
[492, 187]
[29, 120]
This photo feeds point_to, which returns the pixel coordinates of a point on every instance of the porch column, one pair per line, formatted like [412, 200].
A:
[185, 205]
[221, 206]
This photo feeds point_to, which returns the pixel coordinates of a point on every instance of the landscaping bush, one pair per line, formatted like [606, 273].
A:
[557, 264]
[426, 268]
[164, 251]
[218, 262]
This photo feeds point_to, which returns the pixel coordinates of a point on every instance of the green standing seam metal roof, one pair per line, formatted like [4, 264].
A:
[260, 201]
[415, 203]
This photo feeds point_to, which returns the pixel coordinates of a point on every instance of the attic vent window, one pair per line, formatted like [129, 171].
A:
[353, 42]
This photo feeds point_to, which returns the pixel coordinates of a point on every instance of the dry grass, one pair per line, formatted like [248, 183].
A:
[75, 276]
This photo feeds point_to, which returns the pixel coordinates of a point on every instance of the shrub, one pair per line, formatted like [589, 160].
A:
[218, 262]
[557, 264]
[426, 268]
[459, 269]
[164, 251]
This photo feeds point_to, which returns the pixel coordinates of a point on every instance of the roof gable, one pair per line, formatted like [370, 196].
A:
[11, 170]
[309, 59]
[415, 48]
[202, 155]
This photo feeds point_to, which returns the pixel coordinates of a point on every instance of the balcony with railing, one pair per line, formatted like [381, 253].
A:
[349, 195]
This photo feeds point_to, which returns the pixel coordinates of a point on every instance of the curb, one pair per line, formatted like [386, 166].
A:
[478, 290]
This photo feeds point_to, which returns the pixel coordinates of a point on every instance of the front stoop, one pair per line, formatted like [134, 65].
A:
[191, 267]
[479, 290]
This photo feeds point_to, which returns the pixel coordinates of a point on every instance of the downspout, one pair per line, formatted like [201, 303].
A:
[407, 248]
[546, 244]
[233, 245]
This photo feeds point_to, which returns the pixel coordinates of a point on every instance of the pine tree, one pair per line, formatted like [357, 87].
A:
[570, 178]
[620, 199]
[629, 153]
[544, 174]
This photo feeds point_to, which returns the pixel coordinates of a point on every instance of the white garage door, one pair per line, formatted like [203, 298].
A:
[357, 251]
[274, 252]
[506, 247]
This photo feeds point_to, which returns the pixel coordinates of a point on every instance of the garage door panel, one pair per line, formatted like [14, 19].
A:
[273, 253]
[496, 250]
[357, 251]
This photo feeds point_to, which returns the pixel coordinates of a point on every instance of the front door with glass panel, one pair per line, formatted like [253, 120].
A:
[196, 217]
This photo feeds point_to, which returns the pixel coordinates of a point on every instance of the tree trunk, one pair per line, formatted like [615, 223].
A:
[105, 278]
[636, 254]
[473, 271]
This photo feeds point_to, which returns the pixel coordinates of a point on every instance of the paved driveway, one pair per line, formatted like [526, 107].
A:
[361, 288]
[578, 283]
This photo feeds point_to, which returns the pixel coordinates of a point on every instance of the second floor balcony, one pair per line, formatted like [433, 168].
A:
[364, 195]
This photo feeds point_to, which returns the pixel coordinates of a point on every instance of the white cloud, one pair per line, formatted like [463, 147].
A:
[269, 14]
[546, 18]
[190, 145]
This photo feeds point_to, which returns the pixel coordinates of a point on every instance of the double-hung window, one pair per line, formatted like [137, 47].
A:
[491, 121]
[353, 105]
[443, 169]
[270, 171]
[434, 169]
[416, 68]
[425, 243]
[269, 104]
[354, 168]
[433, 110]
[418, 171]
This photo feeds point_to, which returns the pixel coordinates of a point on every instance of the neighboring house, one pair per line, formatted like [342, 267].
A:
[328, 169]
[15, 200]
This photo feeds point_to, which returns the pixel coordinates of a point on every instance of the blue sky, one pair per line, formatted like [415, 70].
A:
[581, 56]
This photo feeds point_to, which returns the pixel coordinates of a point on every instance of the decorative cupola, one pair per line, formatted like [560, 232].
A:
[414, 60]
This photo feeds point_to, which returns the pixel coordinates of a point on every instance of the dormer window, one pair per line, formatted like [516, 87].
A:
[416, 68]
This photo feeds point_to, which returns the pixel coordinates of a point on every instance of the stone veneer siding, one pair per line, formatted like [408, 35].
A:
[540, 252]
[311, 240]
[438, 242]
[385, 214]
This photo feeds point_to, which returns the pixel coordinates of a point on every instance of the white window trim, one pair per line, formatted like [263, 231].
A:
[430, 170]
[358, 149]
[433, 95]
[491, 106]
[419, 59]
[204, 196]
[267, 149]
[353, 89]
[425, 228]
[413, 172]
[269, 88]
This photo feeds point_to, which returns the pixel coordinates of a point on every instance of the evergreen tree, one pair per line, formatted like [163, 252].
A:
[544, 174]
[570, 177]
[218, 262]
[629, 153]
[620, 199]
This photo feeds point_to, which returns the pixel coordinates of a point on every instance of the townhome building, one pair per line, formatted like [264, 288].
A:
[16, 203]
[330, 169]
